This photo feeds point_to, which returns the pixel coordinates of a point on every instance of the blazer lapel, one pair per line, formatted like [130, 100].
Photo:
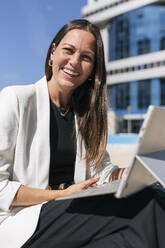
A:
[43, 122]
[80, 164]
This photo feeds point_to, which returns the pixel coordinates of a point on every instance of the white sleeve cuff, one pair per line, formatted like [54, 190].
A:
[104, 178]
[7, 195]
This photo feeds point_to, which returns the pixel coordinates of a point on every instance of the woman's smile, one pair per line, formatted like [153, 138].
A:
[70, 72]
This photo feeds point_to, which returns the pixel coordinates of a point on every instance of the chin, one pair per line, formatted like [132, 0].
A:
[68, 85]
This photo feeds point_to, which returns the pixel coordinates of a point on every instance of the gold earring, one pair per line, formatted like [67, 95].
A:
[90, 79]
[50, 63]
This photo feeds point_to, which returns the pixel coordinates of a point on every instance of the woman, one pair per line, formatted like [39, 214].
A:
[53, 143]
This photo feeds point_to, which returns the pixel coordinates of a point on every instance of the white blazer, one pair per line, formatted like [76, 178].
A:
[25, 157]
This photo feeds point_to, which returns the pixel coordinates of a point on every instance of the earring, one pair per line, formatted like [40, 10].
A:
[90, 79]
[50, 63]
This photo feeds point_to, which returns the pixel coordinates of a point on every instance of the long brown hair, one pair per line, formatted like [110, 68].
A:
[89, 99]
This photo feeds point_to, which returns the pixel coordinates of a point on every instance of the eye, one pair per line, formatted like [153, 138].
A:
[87, 58]
[68, 50]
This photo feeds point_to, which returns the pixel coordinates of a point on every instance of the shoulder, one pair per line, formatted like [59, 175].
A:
[21, 92]
[18, 90]
[13, 97]
[22, 96]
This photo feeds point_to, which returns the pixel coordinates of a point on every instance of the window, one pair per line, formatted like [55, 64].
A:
[136, 125]
[162, 43]
[143, 94]
[122, 39]
[143, 46]
[131, 126]
[162, 91]
[122, 96]
[140, 15]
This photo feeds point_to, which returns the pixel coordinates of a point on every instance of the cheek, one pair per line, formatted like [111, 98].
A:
[55, 68]
[57, 64]
[88, 71]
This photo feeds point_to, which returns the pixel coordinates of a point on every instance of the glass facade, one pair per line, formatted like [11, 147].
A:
[135, 96]
[137, 32]
[131, 126]
[143, 46]
[122, 96]
[134, 33]
[144, 94]
[162, 43]
[122, 39]
[162, 91]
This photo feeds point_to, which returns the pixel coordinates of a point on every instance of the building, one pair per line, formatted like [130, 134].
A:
[134, 39]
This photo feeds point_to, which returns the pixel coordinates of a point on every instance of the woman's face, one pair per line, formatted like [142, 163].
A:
[73, 59]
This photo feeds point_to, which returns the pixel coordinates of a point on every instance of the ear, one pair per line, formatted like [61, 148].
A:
[53, 47]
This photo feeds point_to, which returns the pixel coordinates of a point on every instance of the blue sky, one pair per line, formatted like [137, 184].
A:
[27, 28]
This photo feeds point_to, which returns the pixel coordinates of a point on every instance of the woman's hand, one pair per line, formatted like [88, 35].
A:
[117, 174]
[80, 186]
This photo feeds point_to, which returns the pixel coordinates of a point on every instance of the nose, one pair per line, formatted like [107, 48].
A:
[75, 59]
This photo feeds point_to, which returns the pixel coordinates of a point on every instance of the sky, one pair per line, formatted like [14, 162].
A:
[27, 29]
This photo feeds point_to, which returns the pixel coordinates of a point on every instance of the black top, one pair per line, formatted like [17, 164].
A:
[62, 147]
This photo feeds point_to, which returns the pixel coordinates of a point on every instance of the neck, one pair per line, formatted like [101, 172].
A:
[59, 97]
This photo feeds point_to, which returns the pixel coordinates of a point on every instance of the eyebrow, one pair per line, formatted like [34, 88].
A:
[88, 51]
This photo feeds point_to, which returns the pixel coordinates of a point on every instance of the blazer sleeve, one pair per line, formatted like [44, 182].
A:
[8, 135]
[103, 170]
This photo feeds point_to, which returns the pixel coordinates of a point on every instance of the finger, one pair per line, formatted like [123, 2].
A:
[93, 185]
[114, 175]
[90, 181]
[94, 180]
[121, 172]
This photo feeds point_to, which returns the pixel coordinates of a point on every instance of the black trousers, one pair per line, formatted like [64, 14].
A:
[103, 221]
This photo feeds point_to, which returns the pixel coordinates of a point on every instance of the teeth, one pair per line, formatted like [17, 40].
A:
[70, 72]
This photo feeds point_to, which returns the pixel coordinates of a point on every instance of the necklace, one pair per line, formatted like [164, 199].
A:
[63, 112]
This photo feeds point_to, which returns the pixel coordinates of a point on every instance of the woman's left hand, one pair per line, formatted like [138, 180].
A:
[80, 186]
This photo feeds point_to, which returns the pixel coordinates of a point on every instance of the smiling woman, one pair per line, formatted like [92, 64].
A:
[46, 131]
[53, 143]
[78, 49]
